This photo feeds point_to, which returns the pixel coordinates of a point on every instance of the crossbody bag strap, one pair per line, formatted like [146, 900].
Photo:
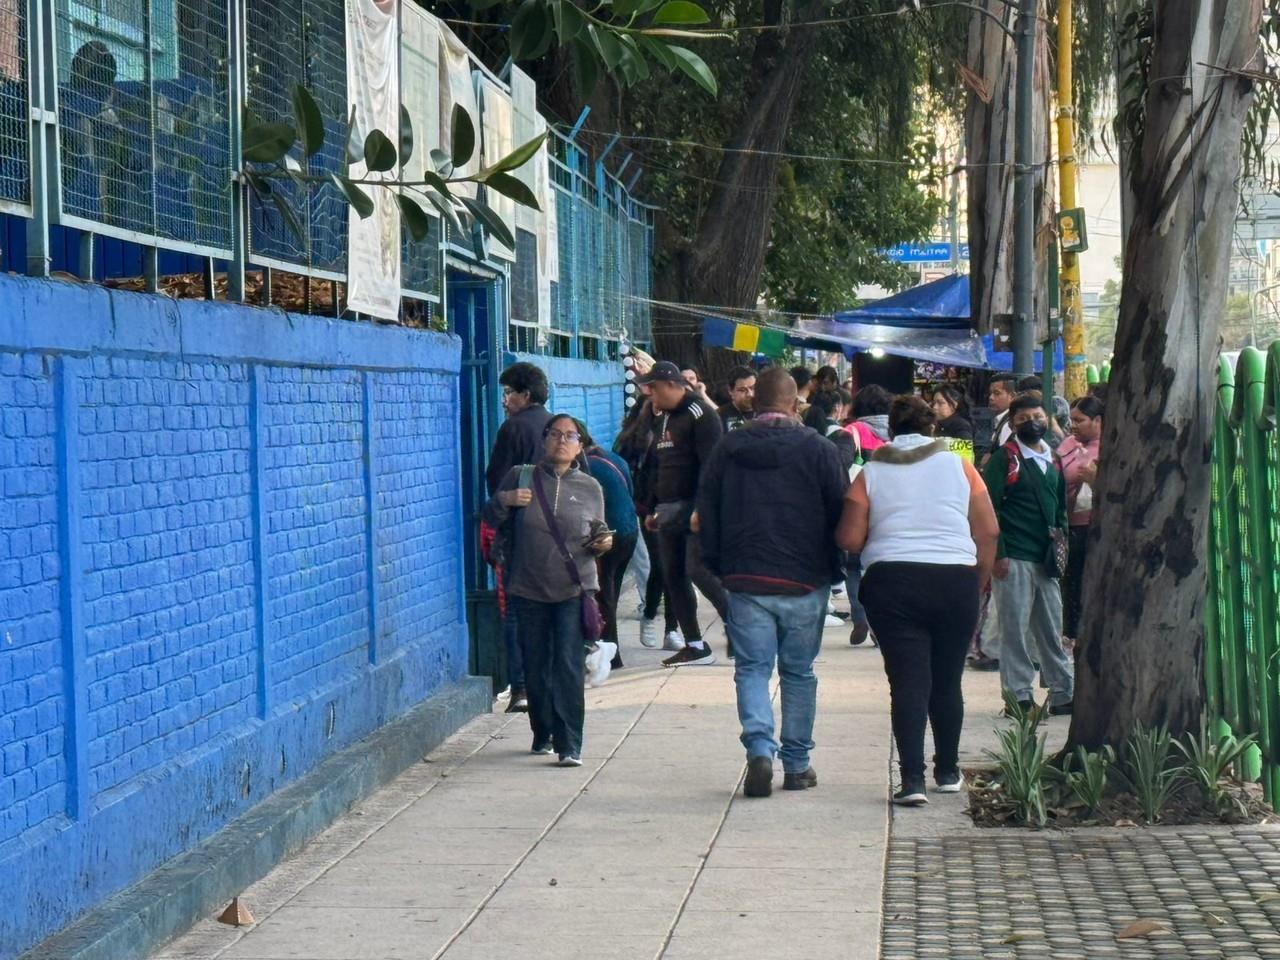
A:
[554, 529]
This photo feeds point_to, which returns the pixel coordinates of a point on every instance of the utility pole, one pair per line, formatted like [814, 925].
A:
[1024, 247]
[953, 212]
[1077, 384]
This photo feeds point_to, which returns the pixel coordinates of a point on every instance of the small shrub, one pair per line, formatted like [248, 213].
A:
[1148, 771]
[1086, 775]
[1022, 763]
[1209, 761]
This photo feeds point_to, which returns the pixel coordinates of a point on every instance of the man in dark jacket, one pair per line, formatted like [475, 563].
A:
[688, 429]
[519, 441]
[742, 390]
[768, 507]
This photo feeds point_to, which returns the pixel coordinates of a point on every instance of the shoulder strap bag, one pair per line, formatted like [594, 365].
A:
[592, 620]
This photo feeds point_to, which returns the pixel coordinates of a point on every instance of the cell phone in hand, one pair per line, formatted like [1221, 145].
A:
[597, 537]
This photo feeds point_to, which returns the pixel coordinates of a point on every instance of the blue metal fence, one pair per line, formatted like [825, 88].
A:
[137, 108]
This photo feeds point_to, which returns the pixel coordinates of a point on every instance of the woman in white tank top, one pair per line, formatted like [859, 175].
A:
[923, 522]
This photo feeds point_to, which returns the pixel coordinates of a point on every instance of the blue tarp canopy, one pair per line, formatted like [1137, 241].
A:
[929, 322]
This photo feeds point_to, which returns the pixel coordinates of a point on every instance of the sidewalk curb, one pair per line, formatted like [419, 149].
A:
[172, 898]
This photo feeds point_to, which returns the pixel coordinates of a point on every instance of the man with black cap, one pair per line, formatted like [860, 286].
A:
[687, 430]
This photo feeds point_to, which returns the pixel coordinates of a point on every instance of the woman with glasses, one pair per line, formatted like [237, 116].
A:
[552, 520]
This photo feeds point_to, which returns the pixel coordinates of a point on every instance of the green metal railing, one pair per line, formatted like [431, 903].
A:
[1241, 665]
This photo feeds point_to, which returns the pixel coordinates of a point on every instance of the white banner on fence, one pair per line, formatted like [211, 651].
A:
[373, 84]
[457, 88]
[524, 106]
[420, 83]
[499, 131]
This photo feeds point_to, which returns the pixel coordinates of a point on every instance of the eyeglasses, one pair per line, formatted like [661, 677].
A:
[568, 436]
[508, 392]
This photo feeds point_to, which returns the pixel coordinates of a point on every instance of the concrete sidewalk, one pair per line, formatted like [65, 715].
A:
[649, 850]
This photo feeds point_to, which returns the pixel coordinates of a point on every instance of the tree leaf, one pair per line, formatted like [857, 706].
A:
[413, 217]
[607, 45]
[695, 67]
[447, 210]
[437, 182]
[266, 142]
[406, 136]
[514, 160]
[290, 218]
[463, 136]
[442, 162]
[379, 152]
[517, 190]
[681, 12]
[526, 29]
[633, 63]
[490, 220]
[586, 68]
[569, 21]
[658, 50]
[628, 8]
[310, 124]
[360, 201]
[1140, 928]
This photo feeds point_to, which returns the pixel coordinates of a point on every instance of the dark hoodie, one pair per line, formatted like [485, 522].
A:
[770, 499]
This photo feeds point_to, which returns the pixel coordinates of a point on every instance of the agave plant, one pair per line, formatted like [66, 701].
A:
[1209, 761]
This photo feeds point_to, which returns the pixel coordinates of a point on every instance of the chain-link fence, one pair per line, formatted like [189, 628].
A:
[15, 159]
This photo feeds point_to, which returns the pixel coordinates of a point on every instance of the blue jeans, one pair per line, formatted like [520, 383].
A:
[511, 637]
[551, 640]
[852, 581]
[787, 629]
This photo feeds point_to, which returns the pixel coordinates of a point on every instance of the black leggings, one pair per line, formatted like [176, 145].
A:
[924, 615]
[655, 590]
[682, 567]
[613, 565]
[1073, 582]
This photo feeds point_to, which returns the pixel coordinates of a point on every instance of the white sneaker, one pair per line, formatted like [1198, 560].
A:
[649, 633]
[837, 590]
[600, 662]
[833, 621]
[674, 641]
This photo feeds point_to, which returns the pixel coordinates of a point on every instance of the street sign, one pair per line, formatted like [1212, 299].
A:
[1071, 231]
[924, 252]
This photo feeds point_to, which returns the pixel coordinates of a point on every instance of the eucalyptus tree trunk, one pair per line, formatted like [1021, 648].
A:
[1143, 633]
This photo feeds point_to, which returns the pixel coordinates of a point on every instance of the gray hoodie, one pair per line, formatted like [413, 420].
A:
[536, 570]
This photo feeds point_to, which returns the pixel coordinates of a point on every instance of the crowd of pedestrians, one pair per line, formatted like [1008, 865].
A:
[790, 490]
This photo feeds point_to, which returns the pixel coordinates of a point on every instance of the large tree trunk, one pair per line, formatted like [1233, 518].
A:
[1143, 633]
[723, 265]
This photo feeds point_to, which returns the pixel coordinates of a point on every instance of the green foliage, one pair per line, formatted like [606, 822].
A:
[1086, 775]
[1151, 777]
[1209, 762]
[1021, 761]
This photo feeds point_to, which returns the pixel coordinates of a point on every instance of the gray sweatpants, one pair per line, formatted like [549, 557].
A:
[1030, 608]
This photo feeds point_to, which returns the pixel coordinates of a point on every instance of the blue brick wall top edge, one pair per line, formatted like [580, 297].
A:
[65, 317]
[573, 373]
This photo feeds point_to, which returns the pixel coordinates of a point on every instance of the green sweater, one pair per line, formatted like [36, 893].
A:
[1022, 507]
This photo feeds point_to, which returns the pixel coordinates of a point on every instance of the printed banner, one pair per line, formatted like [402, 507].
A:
[373, 84]
[457, 88]
[499, 134]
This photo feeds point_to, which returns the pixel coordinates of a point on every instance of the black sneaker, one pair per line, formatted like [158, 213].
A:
[1062, 709]
[759, 781]
[1026, 706]
[950, 782]
[691, 657]
[911, 794]
[859, 635]
[984, 664]
[804, 780]
[519, 702]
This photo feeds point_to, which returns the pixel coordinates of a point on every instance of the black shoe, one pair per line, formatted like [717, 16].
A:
[804, 780]
[949, 782]
[759, 781]
[911, 794]
[984, 663]
[1026, 706]
[691, 656]
[859, 635]
[519, 702]
[1062, 709]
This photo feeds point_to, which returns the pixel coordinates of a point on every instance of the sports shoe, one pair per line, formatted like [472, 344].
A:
[649, 633]
[837, 590]
[542, 748]
[911, 794]
[691, 656]
[949, 782]
[804, 780]
[860, 633]
[759, 782]
[832, 621]
[519, 702]
[569, 760]
[674, 641]
[1062, 709]
[984, 664]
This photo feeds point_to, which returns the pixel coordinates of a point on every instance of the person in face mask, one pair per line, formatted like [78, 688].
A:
[1029, 492]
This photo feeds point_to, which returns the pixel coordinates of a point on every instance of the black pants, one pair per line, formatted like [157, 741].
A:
[683, 570]
[613, 566]
[551, 640]
[655, 590]
[1073, 582]
[923, 614]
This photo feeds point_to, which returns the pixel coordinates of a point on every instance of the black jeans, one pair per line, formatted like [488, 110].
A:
[655, 590]
[613, 566]
[683, 570]
[923, 614]
[554, 660]
[1073, 582]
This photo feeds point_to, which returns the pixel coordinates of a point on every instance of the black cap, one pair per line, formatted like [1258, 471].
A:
[664, 371]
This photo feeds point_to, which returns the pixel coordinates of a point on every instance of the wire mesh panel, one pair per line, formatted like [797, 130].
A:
[586, 275]
[15, 162]
[292, 42]
[640, 277]
[420, 261]
[524, 278]
[145, 131]
[563, 312]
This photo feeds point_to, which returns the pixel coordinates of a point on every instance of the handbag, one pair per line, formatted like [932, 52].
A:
[592, 619]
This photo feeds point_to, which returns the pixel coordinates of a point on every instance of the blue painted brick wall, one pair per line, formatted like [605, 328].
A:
[230, 545]
[590, 390]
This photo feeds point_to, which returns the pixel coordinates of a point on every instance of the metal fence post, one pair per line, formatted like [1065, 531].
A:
[42, 79]
[236, 98]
